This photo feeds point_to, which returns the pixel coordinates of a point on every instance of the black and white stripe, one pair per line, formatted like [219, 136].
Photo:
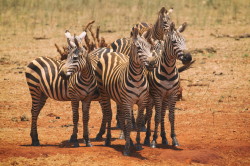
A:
[157, 30]
[44, 81]
[122, 79]
[164, 84]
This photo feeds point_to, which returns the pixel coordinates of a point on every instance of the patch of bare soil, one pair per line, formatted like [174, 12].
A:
[212, 121]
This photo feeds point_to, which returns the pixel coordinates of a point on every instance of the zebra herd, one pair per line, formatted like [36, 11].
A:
[137, 70]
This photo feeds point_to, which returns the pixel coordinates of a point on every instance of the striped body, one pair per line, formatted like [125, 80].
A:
[42, 76]
[44, 81]
[113, 78]
[164, 84]
[82, 87]
[121, 78]
[122, 45]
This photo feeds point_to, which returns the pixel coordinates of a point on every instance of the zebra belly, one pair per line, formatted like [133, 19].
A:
[83, 95]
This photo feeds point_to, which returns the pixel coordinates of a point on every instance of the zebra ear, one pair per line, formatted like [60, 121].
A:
[67, 34]
[82, 35]
[71, 43]
[135, 34]
[69, 39]
[170, 11]
[172, 27]
[163, 10]
[182, 27]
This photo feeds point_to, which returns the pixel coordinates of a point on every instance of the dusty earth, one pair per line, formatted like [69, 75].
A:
[212, 121]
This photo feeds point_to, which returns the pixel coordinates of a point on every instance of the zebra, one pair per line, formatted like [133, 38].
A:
[74, 66]
[44, 81]
[123, 45]
[122, 79]
[164, 82]
[94, 56]
[156, 32]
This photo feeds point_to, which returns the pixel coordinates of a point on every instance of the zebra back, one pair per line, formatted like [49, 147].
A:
[42, 75]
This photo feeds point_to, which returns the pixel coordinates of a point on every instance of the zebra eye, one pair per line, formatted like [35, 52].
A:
[174, 41]
[75, 57]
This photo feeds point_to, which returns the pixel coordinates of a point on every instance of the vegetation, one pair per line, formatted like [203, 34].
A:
[32, 16]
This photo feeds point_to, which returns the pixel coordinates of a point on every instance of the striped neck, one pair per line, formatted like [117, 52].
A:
[169, 55]
[157, 33]
[87, 71]
[135, 68]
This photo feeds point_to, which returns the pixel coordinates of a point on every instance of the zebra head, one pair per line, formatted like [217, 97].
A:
[142, 48]
[76, 59]
[177, 42]
[164, 20]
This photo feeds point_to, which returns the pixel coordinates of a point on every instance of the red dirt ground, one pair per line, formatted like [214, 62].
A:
[212, 122]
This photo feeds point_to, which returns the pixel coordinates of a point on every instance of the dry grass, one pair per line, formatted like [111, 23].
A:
[47, 17]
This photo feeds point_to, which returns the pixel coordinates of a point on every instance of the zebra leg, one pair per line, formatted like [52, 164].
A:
[171, 105]
[35, 110]
[133, 121]
[139, 122]
[121, 122]
[128, 126]
[158, 104]
[85, 119]
[123, 129]
[163, 113]
[118, 109]
[73, 138]
[149, 109]
[109, 119]
[103, 125]
[143, 127]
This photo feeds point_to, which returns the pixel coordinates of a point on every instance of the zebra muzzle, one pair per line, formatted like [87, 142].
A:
[185, 58]
[151, 64]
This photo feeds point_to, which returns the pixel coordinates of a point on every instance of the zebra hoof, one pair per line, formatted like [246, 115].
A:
[35, 143]
[143, 129]
[118, 126]
[76, 144]
[89, 145]
[73, 138]
[175, 142]
[126, 153]
[138, 147]
[164, 142]
[146, 142]
[121, 136]
[107, 143]
[98, 137]
[153, 144]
